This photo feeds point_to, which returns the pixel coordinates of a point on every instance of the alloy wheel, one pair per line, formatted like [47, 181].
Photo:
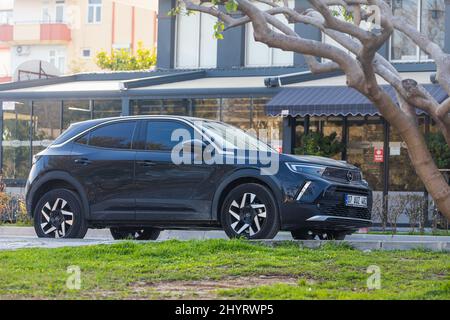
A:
[248, 214]
[57, 218]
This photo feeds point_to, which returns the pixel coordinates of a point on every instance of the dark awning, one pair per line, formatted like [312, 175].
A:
[332, 101]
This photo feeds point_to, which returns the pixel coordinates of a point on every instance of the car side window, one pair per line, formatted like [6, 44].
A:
[116, 136]
[159, 134]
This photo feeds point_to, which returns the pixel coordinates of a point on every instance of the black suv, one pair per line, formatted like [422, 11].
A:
[140, 175]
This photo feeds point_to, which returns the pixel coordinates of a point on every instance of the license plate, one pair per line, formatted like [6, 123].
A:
[355, 201]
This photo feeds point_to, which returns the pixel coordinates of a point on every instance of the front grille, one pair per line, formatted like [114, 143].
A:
[333, 203]
[342, 174]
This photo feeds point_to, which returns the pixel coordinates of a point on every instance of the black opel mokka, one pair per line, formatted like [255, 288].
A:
[119, 173]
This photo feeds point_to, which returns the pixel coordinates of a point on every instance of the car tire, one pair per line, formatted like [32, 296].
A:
[137, 234]
[336, 235]
[59, 214]
[302, 234]
[250, 211]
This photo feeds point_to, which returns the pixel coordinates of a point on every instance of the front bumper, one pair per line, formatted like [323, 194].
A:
[328, 211]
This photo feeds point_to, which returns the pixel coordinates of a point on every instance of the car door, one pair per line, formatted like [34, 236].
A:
[103, 162]
[167, 191]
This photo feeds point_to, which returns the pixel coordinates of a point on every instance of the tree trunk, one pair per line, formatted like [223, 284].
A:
[419, 154]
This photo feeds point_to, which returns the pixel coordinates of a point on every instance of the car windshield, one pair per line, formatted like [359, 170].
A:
[231, 138]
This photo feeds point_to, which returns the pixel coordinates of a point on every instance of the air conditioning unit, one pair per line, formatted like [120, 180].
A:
[23, 50]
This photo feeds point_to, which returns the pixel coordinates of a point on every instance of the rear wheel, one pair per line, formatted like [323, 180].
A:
[135, 234]
[58, 214]
[250, 211]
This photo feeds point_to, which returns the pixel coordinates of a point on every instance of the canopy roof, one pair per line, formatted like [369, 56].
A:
[332, 101]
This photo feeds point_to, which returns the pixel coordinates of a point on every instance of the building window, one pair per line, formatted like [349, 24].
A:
[86, 53]
[58, 59]
[59, 11]
[95, 11]
[428, 16]
[6, 17]
[46, 18]
[195, 45]
[258, 54]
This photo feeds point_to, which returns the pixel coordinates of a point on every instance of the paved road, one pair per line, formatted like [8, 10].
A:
[23, 237]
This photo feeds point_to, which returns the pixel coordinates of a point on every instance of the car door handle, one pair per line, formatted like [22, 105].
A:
[83, 161]
[146, 163]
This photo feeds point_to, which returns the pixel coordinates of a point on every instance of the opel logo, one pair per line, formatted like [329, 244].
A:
[350, 176]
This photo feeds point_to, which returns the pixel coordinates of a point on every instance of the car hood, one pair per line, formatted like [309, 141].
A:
[318, 161]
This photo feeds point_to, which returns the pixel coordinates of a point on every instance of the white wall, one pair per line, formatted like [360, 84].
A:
[27, 11]
[6, 4]
[5, 62]
[36, 53]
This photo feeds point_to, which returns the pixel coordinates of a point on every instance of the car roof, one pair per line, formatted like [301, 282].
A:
[143, 117]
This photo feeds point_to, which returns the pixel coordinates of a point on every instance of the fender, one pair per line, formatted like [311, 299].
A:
[66, 177]
[246, 173]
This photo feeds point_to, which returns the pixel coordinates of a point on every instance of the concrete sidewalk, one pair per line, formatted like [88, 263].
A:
[25, 237]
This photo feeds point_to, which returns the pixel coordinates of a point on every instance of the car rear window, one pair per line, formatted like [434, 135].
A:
[73, 130]
[114, 136]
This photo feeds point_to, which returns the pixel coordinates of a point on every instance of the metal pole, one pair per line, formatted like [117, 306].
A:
[426, 221]
[31, 131]
[344, 137]
[386, 169]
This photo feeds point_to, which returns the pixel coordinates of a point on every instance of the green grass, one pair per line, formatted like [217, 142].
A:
[132, 270]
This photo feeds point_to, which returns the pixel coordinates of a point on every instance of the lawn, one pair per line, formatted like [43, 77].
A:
[222, 269]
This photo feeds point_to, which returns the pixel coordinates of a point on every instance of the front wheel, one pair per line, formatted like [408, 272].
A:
[137, 234]
[250, 211]
[58, 214]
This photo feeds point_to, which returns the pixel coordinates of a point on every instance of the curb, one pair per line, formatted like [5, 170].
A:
[365, 245]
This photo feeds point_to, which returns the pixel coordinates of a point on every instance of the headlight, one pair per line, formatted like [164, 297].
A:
[35, 158]
[305, 168]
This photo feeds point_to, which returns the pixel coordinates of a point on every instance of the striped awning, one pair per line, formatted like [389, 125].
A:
[332, 101]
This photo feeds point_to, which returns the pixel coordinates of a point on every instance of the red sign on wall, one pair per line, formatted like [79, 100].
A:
[378, 154]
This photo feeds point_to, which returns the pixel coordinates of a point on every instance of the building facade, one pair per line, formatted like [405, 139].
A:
[68, 34]
[238, 81]
[6, 14]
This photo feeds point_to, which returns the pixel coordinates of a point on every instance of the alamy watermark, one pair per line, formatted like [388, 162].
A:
[73, 281]
[374, 280]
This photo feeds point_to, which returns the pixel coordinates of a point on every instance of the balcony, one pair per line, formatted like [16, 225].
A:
[35, 33]
[6, 33]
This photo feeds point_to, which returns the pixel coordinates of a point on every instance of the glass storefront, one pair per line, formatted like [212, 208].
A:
[402, 176]
[236, 111]
[107, 108]
[266, 126]
[47, 116]
[206, 108]
[365, 135]
[30, 126]
[76, 111]
[160, 106]
[16, 143]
